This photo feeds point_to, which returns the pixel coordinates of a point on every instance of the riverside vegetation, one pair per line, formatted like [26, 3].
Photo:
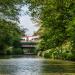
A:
[56, 19]
[10, 32]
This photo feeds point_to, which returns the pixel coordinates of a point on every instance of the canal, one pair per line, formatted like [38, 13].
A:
[32, 65]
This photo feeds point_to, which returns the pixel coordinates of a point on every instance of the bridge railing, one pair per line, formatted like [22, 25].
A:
[28, 46]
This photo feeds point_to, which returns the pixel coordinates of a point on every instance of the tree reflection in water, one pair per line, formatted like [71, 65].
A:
[35, 66]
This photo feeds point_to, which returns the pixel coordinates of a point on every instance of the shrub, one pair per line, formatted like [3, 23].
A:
[17, 51]
[47, 55]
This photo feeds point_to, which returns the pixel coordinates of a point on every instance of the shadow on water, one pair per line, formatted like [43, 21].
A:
[16, 56]
[58, 66]
[33, 65]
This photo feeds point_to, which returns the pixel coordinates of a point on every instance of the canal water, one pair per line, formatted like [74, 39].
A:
[32, 65]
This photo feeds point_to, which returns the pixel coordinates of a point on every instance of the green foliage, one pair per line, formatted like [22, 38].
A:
[9, 9]
[10, 32]
[47, 55]
[57, 25]
[17, 51]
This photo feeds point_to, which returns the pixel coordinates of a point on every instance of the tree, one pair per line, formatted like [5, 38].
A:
[9, 32]
[9, 29]
[10, 9]
[56, 19]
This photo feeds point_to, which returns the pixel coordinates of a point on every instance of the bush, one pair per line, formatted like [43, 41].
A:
[47, 55]
[67, 55]
[17, 51]
[9, 50]
[72, 57]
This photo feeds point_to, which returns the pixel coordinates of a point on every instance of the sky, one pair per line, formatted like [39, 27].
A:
[26, 22]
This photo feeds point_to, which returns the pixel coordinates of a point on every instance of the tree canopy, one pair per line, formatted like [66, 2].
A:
[9, 9]
[9, 28]
[56, 19]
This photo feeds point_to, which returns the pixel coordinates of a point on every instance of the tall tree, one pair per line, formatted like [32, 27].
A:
[9, 29]
[56, 19]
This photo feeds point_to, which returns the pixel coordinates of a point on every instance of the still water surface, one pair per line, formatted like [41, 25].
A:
[35, 66]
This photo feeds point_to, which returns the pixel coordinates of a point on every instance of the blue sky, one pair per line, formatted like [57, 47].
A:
[26, 22]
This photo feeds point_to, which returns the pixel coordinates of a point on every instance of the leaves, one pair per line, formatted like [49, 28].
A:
[9, 9]
[57, 23]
